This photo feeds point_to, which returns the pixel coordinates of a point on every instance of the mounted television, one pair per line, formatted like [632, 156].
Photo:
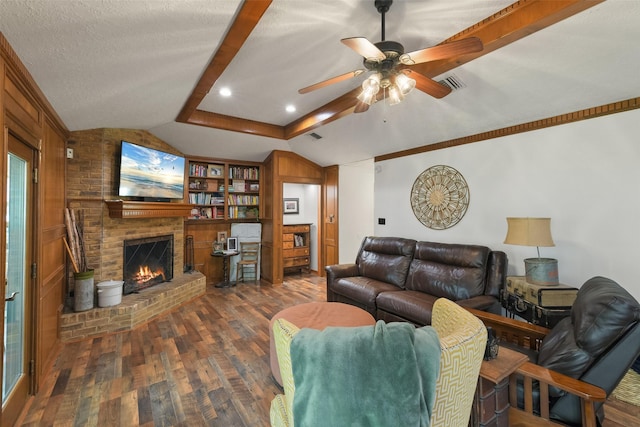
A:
[150, 174]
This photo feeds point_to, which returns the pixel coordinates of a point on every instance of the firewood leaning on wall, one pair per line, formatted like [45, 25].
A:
[74, 242]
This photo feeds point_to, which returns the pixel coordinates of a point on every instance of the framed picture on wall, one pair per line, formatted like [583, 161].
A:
[222, 236]
[290, 206]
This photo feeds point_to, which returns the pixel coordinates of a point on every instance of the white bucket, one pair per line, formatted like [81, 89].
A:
[109, 293]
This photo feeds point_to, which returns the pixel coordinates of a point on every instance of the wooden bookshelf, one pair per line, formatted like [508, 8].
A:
[206, 182]
[223, 190]
[243, 198]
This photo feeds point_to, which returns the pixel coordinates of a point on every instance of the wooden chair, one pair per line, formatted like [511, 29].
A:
[249, 254]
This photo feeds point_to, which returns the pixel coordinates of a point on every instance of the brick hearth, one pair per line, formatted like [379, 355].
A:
[134, 310]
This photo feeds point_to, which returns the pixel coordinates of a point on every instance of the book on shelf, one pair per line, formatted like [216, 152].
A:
[198, 185]
[196, 169]
[243, 212]
[244, 172]
[206, 199]
[242, 199]
[207, 213]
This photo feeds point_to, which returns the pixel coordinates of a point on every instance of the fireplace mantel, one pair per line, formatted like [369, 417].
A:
[131, 209]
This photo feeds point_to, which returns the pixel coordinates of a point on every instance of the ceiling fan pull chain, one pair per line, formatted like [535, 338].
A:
[385, 105]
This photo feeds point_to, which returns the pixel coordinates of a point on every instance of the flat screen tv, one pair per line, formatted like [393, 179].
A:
[150, 174]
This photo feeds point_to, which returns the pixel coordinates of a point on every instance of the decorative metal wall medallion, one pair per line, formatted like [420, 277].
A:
[440, 197]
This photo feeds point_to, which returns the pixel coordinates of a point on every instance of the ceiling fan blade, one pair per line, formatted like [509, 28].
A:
[364, 48]
[427, 85]
[331, 81]
[443, 51]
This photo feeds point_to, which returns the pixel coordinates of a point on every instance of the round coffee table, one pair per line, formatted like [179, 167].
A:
[316, 315]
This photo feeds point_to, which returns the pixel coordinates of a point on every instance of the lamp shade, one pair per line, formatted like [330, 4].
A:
[529, 232]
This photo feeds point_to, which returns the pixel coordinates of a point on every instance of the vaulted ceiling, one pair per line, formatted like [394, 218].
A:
[159, 64]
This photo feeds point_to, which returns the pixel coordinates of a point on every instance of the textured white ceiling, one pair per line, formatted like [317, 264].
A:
[133, 64]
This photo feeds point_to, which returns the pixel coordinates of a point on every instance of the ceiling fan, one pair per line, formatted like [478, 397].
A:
[390, 66]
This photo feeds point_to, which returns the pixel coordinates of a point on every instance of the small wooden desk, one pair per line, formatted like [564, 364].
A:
[491, 401]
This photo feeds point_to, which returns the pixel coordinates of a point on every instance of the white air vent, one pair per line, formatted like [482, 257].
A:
[453, 82]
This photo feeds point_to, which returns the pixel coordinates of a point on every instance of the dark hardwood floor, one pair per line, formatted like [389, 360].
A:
[204, 364]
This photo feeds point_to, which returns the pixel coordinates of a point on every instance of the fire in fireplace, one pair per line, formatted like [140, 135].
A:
[147, 262]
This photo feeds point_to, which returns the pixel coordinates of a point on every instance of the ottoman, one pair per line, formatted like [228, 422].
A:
[316, 315]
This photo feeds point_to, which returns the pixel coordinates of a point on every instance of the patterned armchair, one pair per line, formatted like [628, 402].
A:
[463, 339]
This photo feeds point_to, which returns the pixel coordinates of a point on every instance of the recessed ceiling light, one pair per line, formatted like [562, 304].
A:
[225, 91]
[290, 108]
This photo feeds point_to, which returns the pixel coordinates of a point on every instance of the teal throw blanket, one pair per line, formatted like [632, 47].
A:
[382, 375]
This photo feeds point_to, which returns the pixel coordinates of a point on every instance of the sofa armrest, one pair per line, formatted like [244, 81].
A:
[338, 271]
[514, 331]
[587, 393]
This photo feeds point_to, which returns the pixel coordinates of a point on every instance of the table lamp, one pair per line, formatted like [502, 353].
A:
[534, 232]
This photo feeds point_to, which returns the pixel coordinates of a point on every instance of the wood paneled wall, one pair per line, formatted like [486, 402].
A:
[281, 167]
[28, 116]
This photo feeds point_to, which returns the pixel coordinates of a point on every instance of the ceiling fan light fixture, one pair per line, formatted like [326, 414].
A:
[372, 83]
[370, 88]
[367, 97]
[404, 83]
[395, 95]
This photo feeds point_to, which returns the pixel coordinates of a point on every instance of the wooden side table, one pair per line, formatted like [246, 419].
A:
[543, 305]
[491, 401]
[226, 283]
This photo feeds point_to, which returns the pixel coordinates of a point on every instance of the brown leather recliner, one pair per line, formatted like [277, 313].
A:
[596, 345]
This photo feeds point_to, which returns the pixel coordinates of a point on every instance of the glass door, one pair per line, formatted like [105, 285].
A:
[17, 306]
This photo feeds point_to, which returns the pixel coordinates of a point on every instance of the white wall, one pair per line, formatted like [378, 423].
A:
[355, 210]
[308, 206]
[584, 175]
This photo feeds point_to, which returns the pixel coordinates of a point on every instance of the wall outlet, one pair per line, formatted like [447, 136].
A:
[69, 153]
[381, 221]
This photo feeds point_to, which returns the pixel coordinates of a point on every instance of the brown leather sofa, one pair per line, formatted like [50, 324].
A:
[397, 279]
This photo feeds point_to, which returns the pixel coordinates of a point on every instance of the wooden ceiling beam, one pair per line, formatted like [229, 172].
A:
[248, 17]
[512, 23]
[236, 124]
[339, 107]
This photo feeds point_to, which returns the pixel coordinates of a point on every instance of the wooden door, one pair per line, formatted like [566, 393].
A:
[18, 282]
[330, 218]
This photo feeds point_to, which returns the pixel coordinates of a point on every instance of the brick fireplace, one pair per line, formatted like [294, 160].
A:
[91, 180]
[147, 262]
